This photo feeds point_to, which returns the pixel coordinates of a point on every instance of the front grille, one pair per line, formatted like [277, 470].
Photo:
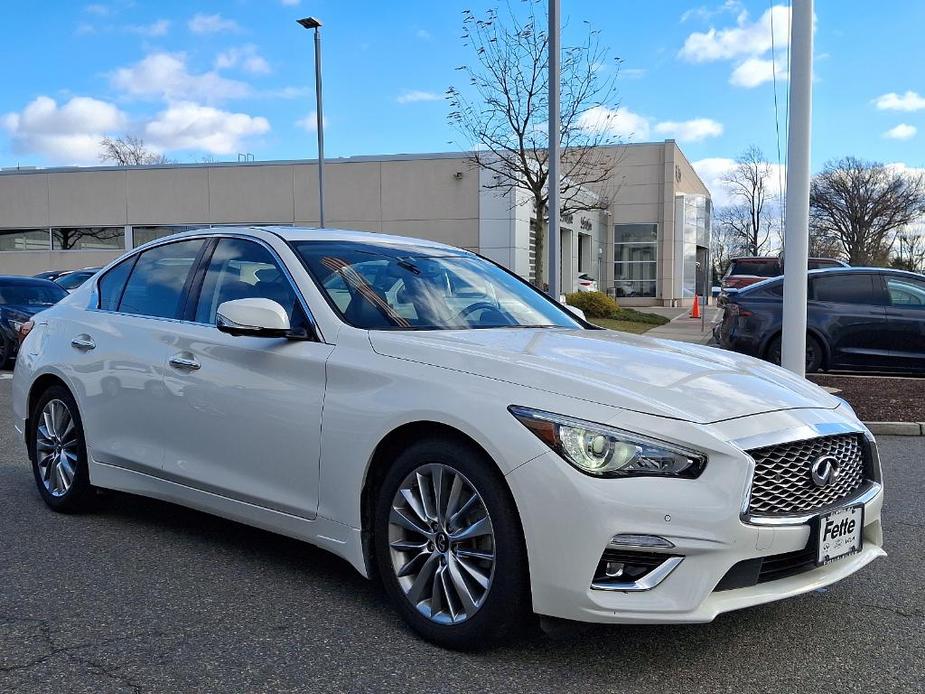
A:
[751, 572]
[783, 480]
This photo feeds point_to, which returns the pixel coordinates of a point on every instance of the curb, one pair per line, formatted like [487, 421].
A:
[896, 428]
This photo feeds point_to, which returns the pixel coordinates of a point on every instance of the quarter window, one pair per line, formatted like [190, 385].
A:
[112, 283]
[241, 269]
[155, 287]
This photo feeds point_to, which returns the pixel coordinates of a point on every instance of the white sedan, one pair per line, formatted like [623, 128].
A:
[440, 424]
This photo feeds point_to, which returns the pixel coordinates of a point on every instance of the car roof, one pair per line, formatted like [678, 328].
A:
[20, 279]
[296, 234]
[834, 271]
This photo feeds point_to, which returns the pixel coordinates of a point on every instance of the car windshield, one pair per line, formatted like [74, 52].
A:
[379, 287]
[757, 268]
[38, 294]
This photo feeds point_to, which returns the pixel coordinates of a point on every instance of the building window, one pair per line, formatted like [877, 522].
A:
[141, 235]
[24, 240]
[635, 259]
[88, 239]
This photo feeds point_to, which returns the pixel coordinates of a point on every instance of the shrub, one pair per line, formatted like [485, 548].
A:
[594, 304]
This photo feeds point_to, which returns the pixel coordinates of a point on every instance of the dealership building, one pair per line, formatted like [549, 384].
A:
[644, 242]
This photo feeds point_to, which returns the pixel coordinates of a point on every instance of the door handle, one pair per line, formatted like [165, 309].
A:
[83, 342]
[178, 361]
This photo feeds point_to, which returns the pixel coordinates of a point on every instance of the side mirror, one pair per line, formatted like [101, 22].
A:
[254, 317]
[577, 311]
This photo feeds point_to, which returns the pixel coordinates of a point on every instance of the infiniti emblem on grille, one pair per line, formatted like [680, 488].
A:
[824, 470]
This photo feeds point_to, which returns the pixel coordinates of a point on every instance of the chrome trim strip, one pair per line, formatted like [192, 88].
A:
[867, 494]
[647, 582]
[794, 434]
[207, 235]
[662, 543]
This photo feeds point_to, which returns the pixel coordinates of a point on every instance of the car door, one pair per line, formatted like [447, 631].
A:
[906, 319]
[243, 414]
[119, 350]
[847, 309]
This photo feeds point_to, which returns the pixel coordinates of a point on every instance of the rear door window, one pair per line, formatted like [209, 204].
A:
[848, 288]
[757, 268]
[155, 286]
[906, 292]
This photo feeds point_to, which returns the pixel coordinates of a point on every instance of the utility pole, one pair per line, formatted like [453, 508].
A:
[554, 204]
[315, 24]
[796, 229]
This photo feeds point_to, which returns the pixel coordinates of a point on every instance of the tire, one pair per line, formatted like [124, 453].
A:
[814, 353]
[6, 352]
[443, 593]
[58, 451]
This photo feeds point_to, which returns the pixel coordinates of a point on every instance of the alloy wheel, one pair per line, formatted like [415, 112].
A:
[441, 543]
[56, 447]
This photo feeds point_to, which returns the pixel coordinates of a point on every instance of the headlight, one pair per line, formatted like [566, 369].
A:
[603, 451]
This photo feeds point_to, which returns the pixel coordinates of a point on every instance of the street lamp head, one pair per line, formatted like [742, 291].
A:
[310, 22]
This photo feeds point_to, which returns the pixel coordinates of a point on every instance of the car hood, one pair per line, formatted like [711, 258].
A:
[658, 377]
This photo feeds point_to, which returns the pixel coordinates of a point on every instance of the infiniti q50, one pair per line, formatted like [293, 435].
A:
[436, 421]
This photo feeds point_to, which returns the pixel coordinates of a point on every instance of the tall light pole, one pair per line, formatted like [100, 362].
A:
[315, 23]
[796, 230]
[554, 204]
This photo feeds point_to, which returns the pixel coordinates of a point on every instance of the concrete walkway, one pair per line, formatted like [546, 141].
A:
[686, 329]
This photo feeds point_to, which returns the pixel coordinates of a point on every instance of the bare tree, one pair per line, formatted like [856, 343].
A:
[862, 205]
[504, 111]
[909, 253]
[129, 151]
[749, 218]
[724, 246]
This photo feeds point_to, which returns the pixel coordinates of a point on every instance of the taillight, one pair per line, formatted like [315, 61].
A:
[24, 330]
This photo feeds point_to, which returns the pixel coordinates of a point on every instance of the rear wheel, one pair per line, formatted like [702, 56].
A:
[814, 353]
[449, 546]
[59, 452]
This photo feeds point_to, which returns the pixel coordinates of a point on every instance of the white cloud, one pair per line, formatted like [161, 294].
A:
[154, 29]
[633, 73]
[201, 23]
[620, 122]
[712, 170]
[67, 134]
[97, 9]
[900, 167]
[246, 57]
[690, 130]
[310, 122]
[290, 3]
[756, 71]
[745, 39]
[903, 131]
[165, 75]
[416, 95]
[910, 101]
[704, 13]
[423, 34]
[188, 125]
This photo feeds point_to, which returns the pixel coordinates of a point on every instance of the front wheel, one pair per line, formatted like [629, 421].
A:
[449, 546]
[59, 452]
[814, 353]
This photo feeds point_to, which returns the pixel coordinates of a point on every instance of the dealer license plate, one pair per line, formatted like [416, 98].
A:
[840, 534]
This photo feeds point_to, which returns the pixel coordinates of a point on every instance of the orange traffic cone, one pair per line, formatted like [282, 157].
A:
[695, 308]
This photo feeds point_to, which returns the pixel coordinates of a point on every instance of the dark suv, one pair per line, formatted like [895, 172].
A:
[857, 318]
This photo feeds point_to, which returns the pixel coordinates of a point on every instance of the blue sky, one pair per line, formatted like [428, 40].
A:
[210, 79]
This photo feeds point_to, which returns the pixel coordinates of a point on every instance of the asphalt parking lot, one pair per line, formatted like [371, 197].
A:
[147, 597]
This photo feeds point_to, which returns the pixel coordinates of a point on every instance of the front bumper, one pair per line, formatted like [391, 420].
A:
[570, 518]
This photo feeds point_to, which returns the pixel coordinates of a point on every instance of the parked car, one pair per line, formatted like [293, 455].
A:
[74, 279]
[586, 283]
[857, 318]
[51, 274]
[20, 299]
[743, 272]
[442, 425]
